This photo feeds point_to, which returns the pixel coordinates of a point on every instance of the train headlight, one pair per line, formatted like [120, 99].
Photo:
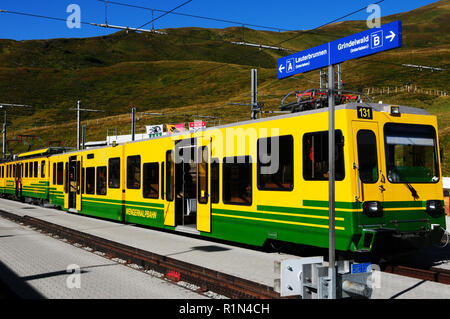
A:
[435, 208]
[395, 110]
[373, 209]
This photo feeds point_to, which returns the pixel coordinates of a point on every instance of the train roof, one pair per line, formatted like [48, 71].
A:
[377, 107]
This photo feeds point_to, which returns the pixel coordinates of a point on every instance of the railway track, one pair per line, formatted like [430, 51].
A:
[433, 274]
[174, 270]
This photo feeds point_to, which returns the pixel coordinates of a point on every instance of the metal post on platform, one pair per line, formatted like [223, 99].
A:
[3, 106]
[321, 76]
[83, 137]
[79, 110]
[254, 94]
[133, 123]
[78, 125]
[331, 180]
[339, 78]
[4, 139]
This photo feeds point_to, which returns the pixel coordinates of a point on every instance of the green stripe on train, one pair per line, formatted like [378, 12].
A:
[358, 205]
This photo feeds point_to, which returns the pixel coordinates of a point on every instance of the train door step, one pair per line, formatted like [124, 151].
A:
[191, 229]
[72, 210]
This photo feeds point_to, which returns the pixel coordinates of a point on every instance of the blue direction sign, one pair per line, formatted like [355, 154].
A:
[386, 37]
[304, 61]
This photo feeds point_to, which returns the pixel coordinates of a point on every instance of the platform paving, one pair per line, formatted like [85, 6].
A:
[38, 266]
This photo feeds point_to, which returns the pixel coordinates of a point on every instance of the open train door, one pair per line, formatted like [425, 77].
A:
[18, 180]
[79, 184]
[169, 191]
[66, 186]
[204, 185]
[72, 184]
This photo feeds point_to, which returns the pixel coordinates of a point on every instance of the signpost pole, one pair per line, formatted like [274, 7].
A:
[83, 139]
[78, 125]
[254, 114]
[331, 179]
[133, 123]
[4, 138]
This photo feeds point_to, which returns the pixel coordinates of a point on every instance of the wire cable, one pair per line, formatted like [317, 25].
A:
[164, 14]
[197, 16]
[221, 66]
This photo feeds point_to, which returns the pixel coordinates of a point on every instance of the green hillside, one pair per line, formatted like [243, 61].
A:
[198, 71]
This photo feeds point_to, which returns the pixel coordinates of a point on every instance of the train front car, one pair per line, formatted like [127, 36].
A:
[398, 185]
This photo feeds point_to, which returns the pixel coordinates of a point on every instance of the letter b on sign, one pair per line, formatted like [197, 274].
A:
[376, 39]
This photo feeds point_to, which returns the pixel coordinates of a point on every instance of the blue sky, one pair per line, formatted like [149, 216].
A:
[287, 14]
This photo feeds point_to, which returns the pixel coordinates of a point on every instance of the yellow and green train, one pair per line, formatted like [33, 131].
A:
[260, 181]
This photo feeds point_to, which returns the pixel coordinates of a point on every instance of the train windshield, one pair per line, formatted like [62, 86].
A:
[411, 153]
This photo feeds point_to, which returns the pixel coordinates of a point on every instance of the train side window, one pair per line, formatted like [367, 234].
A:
[367, 156]
[237, 180]
[170, 176]
[114, 172]
[26, 169]
[90, 180]
[134, 172]
[60, 173]
[162, 180]
[215, 180]
[82, 179]
[202, 169]
[79, 180]
[36, 168]
[315, 156]
[30, 169]
[150, 180]
[66, 179]
[275, 169]
[101, 180]
[42, 168]
[54, 173]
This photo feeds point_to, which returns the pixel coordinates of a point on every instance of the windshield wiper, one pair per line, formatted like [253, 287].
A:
[413, 191]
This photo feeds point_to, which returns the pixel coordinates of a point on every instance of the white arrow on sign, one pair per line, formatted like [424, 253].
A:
[391, 36]
[281, 68]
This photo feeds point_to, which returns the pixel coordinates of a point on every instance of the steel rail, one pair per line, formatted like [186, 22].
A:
[433, 274]
[175, 270]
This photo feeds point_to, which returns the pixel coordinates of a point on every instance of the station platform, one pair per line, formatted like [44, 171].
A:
[253, 265]
[37, 266]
